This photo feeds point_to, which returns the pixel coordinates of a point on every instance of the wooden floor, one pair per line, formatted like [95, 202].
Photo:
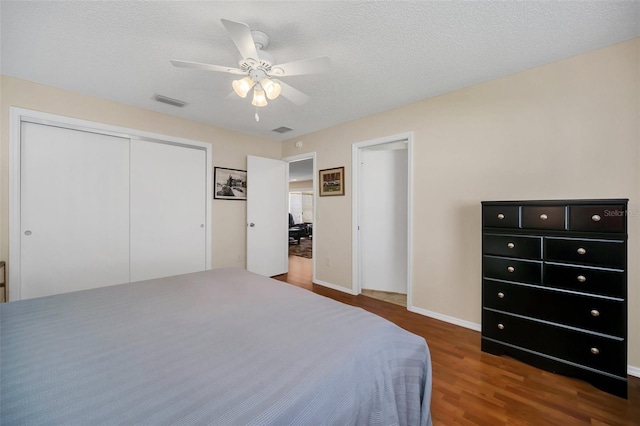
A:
[471, 387]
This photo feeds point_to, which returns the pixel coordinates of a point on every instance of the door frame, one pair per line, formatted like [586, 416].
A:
[18, 115]
[356, 149]
[306, 156]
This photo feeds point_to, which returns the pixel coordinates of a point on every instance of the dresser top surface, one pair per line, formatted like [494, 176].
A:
[599, 201]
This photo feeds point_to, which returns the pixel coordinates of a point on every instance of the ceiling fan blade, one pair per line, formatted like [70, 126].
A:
[294, 95]
[304, 66]
[241, 35]
[206, 67]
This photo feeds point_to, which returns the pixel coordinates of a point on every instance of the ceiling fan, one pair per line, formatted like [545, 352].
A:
[259, 69]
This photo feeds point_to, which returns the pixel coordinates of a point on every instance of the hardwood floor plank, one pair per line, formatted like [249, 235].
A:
[471, 387]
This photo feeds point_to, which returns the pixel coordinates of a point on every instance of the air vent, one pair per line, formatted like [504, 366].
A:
[170, 101]
[282, 129]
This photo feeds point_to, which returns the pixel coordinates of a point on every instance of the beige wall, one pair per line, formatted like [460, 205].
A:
[229, 150]
[569, 129]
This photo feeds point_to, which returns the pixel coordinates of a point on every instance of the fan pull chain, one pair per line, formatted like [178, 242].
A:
[257, 116]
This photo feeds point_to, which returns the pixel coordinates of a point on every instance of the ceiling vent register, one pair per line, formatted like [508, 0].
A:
[170, 101]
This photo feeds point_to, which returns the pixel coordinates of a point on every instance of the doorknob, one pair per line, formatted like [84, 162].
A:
[27, 233]
[252, 224]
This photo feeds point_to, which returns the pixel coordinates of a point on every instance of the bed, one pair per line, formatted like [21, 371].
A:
[221, 347]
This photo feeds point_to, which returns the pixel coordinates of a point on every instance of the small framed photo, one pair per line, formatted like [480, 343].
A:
[332, 181]
[229, 184]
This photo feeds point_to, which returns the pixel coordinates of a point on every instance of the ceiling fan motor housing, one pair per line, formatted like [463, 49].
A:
[260, 39]
[264, 60]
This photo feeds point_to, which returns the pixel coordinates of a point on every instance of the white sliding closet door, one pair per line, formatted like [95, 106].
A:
[74, 215]
[168, 206]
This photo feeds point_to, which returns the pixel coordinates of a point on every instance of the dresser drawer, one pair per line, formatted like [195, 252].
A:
[608, 254]
[596, 281]
[501, 216]
[512, 270]
[598, 352]
[512, 246]
[607, 218]
[586, 312]
[542, 217]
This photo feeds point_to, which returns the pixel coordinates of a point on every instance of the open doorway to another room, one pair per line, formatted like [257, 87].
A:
[301, 217]
[301, 223]
[382, 219]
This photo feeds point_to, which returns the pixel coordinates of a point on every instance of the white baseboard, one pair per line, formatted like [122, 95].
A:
[633, 371]
[334, 287]
[446, 318]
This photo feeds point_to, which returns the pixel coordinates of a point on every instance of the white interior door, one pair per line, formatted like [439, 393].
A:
[267, 216]
[74, 210]
[168, 208]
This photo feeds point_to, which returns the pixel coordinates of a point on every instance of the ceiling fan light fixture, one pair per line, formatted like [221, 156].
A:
[272, 88]
[242, 86]
[259, 98]
[256, 68]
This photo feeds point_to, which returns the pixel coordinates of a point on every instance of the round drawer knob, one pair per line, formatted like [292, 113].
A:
[582, 278]
[511, 269]
[501, 296]
[500, 326]
[511, 245]
[500, 216]
[596, 218]
[595, 313]
[544, 216]
[581, 251]
[595, 351]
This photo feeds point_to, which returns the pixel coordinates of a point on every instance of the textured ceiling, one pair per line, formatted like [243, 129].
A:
[384, 54]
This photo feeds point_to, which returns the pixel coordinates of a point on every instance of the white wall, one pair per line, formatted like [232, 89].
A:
[383, 219]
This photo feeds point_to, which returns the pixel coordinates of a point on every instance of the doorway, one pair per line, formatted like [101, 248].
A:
[301, 184]
[382, 222]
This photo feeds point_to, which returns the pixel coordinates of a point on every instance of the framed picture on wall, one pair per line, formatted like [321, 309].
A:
[332, 181]
[229, 184]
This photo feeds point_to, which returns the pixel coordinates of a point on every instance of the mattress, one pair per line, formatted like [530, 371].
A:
[223, 347]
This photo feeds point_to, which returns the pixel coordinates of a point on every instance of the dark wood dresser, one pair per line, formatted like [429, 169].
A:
[554, 286]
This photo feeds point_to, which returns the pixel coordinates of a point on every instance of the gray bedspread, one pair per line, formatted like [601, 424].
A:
[217, 347]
